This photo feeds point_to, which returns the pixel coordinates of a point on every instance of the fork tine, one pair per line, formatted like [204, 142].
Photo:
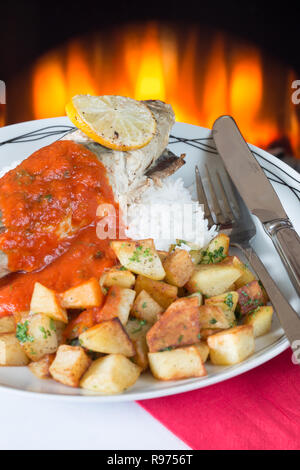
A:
[216, 206]
[228, 209]
[202, 198]
[234, 204]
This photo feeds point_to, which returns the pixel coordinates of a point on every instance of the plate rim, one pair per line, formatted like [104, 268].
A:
[262, 356]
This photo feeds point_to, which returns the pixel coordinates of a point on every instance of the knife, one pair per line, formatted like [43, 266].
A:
[258, 193]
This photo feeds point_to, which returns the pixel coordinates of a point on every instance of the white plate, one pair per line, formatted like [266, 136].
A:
[199, 151]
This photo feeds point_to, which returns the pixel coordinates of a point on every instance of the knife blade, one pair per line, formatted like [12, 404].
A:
[246, 173]
[258, 193]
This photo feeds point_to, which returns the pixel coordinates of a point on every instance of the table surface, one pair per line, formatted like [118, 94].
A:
[37, 424]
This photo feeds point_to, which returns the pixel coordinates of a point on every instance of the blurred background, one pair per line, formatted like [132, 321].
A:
[204, 58]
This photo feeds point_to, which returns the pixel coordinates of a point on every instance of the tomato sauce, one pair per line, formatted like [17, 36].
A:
[77, 183]
[47, 199]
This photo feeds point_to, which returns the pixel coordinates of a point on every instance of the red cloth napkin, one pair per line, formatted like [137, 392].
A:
[257, 410]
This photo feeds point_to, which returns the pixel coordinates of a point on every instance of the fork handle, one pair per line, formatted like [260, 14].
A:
[288, 318]
[287, 243]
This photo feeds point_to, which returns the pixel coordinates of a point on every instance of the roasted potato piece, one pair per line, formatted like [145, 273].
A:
[109, 337]
[251, 296]
[140, 257]
[137, 330]
[178, 326]
[213, 317]
[203, 350]
[217, 250]
[80, 323]
[7, 325]
[261, 320]
[247, 275]
[69, 365]
[145, 308]
[46, 301]
[118, 276]
[213, 279]
[41, 368]
[11, 352]
[181, 363]
[118, 304]
[86, 295]
[179, 267]
[227, 302]
[110, 375]
[161, 292]
[231, 346]
[37, 334]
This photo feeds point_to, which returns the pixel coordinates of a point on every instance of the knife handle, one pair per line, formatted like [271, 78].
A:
[288, 318]
[287, 243]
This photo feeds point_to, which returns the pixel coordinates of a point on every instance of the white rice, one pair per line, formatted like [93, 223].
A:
[164, 214]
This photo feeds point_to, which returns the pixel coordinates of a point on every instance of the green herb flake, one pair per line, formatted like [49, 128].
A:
[180, 338]
[22, 333]
[52, 325]
[211, 257]
[46, 333]
[144, 305]
[136, 255]
[49, 197]
[229, 301]
[213, 321]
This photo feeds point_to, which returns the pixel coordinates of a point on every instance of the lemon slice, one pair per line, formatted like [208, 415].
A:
[115, 122]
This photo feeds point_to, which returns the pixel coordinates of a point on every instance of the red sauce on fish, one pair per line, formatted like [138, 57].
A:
[48, 198]
[77, 183]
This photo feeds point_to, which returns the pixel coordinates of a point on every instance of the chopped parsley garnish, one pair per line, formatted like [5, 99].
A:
[136, 255]
[199, 336]
[144, 305]
[169, 348]
[229, 301]
[180, 338]
[212, 321]
[48, 197]
[46, 333]
[52, 325]
[122, 268]
[181, 242]
[22, 333]
[209, 257]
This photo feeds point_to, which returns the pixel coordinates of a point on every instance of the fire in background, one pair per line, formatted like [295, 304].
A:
[202, 74]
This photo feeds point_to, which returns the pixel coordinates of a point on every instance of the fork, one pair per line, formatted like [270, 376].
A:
[234, 219]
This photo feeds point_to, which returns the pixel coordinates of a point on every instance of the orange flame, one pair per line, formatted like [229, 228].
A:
[152, 62]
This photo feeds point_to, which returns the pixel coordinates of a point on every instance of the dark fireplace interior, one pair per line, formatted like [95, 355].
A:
[205, 58]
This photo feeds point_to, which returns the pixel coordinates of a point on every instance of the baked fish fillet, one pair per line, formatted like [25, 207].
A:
[129, 173]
